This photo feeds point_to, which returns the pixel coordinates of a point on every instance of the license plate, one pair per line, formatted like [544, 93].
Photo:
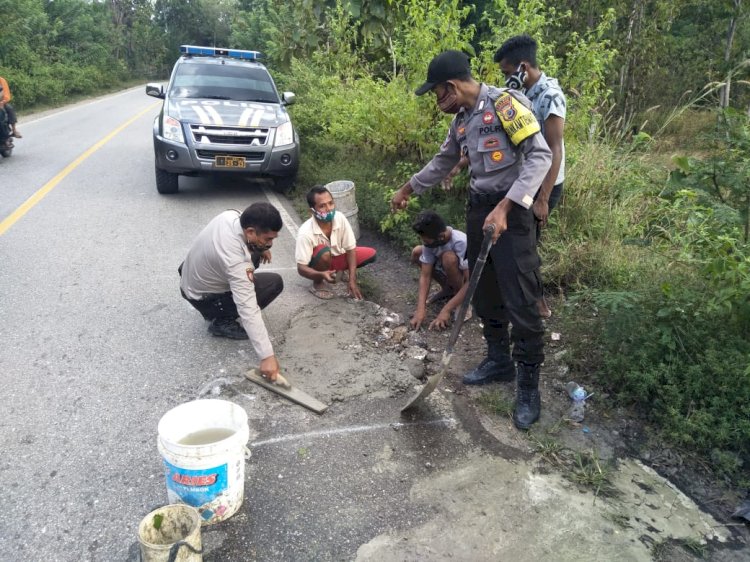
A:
[229, 161]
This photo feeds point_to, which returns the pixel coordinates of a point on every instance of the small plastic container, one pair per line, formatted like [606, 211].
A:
[578, 396]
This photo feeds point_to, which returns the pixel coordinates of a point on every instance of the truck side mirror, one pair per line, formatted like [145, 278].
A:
[155, 90]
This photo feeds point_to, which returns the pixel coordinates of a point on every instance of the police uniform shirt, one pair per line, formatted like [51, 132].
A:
[220, 261]
[547, 98]
[507, 157]
[310, 235]
[456, 244]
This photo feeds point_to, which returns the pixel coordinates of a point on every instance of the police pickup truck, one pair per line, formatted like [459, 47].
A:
[223, 114]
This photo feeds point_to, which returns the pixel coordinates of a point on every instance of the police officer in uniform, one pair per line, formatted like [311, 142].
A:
[508, 158]
[219, 277]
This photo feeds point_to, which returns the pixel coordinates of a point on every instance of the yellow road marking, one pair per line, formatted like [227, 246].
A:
[27, 205]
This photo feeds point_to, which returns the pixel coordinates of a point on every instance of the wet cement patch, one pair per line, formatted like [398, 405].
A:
[495, 509]
[326, 354]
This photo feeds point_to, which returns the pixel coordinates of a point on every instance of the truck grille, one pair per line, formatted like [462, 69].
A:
[242, 136]
[211, 154]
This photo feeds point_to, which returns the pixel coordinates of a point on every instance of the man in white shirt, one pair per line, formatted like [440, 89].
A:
[218, 277]
[326, 244]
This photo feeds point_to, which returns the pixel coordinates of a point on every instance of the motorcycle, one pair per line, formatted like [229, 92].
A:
[6, 134]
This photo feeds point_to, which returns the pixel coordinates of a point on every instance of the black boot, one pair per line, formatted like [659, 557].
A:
[227, 328]
[528, 401]
[496, 367]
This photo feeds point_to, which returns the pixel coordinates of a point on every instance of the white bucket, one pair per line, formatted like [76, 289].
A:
[172, 532]
[203, 446]
[343, 192]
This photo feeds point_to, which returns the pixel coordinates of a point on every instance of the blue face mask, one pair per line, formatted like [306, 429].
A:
[327, 217]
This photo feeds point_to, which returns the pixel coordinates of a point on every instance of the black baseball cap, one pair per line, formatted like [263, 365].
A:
[448, 65]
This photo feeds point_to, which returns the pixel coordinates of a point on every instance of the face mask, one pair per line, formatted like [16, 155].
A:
[327, 217]
[447, 103]
[516, 80]
[436, 244]
[258, 248]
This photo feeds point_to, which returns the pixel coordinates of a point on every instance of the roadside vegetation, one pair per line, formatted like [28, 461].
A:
[649, 247]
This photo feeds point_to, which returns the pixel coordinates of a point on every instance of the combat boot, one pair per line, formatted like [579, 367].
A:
[498, 366]
[227, 328]
[528, 401]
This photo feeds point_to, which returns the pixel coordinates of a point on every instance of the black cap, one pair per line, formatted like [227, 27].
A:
[448, 65]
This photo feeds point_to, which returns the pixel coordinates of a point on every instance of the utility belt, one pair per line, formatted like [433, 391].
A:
[486, 198]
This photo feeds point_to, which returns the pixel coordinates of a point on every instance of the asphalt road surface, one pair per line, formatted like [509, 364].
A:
[97, 345]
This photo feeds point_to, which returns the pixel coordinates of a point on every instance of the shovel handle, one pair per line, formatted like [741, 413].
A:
[476, 273]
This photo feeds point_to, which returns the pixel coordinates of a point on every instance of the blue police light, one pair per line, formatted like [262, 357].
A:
[216, 52]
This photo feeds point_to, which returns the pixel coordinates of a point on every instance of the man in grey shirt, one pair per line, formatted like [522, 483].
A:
[517, 60]
[218, 277]
[508, 159]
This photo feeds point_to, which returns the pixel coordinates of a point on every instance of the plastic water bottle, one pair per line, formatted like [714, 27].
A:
[578, 395]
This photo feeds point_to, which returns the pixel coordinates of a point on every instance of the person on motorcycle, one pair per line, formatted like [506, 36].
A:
[5, 97]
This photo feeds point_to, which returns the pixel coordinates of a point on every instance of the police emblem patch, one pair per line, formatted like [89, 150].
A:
[496, 156]
[517, 119]
[488, 118]
[491, 142]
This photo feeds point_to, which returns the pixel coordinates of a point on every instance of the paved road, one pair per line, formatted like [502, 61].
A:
[98, 345]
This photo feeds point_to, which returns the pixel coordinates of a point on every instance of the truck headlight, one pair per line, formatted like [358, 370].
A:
[172, 129]
[284, 134]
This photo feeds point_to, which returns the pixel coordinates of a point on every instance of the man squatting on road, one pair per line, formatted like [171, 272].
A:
[326, 245]
[218, 277]
[441, 256]
[508, 159]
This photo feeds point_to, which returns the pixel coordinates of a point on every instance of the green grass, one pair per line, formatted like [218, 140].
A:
[496, 402]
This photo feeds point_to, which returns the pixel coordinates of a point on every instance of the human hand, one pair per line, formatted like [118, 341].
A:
[269, 368]
[329, 276]
[265, 257]
[442, 321]
[354, 291]
[498, 218]
[416, 320]
[541, 211]
[401, 198]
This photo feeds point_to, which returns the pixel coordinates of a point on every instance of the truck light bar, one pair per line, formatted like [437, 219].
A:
[215, 52]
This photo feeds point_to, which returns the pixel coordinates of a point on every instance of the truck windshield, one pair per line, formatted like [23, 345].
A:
[219, 81]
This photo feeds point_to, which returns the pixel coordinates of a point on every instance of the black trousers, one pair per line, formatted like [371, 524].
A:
[510, 284]
[268, 286]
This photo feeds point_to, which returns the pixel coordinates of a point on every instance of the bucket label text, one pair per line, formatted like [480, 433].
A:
[196, 487]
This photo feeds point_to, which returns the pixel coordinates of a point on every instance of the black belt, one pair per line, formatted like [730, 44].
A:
[485, 198]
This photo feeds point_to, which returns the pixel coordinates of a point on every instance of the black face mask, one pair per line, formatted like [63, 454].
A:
[258, 248]
[435, 244]
[516, 80]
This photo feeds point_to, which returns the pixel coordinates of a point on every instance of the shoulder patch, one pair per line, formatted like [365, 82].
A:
[517, 120]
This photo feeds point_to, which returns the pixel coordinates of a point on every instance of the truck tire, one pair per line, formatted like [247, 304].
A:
[166, 182]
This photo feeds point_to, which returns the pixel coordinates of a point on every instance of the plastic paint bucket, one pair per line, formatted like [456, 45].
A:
[172, 532]
[343, 193]
[203, 444]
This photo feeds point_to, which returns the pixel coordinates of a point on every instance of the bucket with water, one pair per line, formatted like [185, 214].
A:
[203, 444]
[171, 534]
[346, 203]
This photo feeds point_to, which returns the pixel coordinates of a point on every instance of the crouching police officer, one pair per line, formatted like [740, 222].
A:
[508, 158]
[219, 277]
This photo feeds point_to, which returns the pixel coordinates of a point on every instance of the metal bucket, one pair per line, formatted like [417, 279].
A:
[343, 192]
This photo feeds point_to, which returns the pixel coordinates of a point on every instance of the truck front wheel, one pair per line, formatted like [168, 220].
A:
[166, 182]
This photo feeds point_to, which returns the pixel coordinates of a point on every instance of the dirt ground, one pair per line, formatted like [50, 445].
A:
[608, 434]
